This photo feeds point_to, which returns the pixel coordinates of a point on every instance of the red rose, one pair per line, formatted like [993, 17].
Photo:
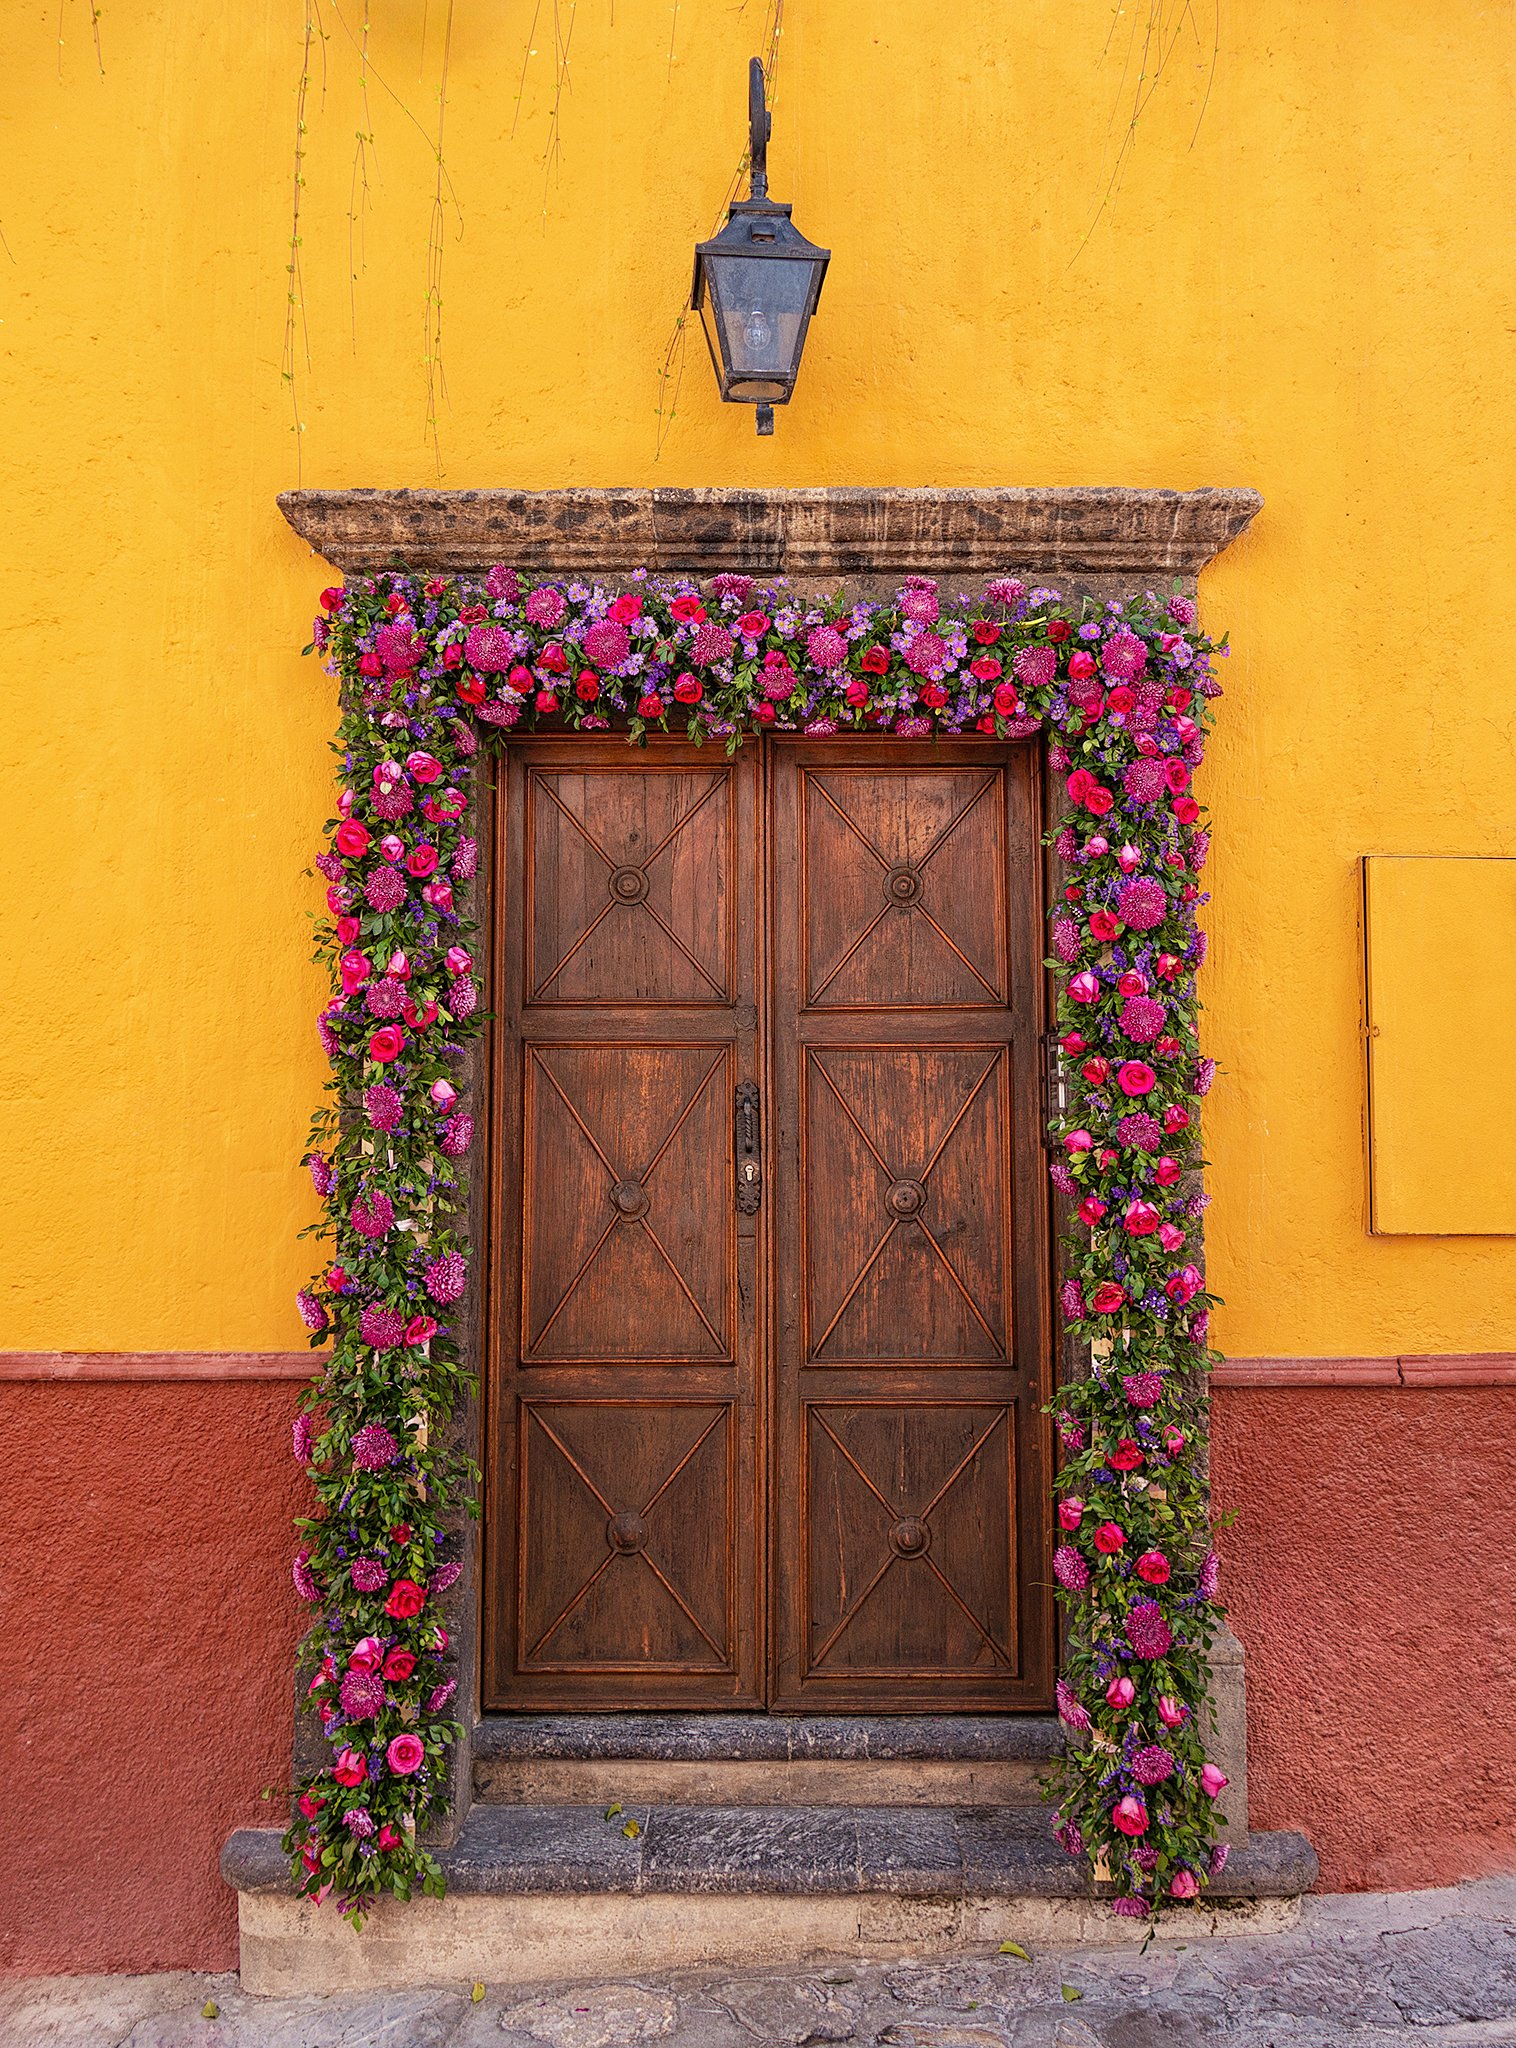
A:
[1109, 1538]
[588, 686]
[1169, 966]
[687, 689]
[553, 659]
[347, 930]
[1126, 1457]
[857, 692]
[650, 706]
[1167, 1172]
[687, 608]
[401, 1663]
[1099, 800]
[985, 667]
[1103, 926]
[1176, 775]
[764, 713]
[1091, 1209]
[370, 665]
[1107, 1298]
[1179, 699]
[1121, 698]
[417, 1331]
[1176, 1118]
[986, 631]
[1186, 810]
[1058, 629]
[1096, 1070]
[421, 860]
[331, 600]
[350, 1768]
[471, 690]
[352, 838]
[406, 1600]
[1081, 666]
[986, 723]
[933, 696]
[1153, 1568]
[1080, 783]
[452, 655]
[473, 614]
[753, 624]
[418, 1017]
[625, 609]
[875, 661]
[547, 703]
[386, 1044]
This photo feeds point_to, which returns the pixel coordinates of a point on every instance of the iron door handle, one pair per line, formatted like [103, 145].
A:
[747, 1119]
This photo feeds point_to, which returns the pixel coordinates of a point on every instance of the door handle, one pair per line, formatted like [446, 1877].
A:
[747, 1120]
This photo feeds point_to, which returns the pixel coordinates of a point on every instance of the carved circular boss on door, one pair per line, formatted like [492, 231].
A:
[626, 1532]
[910, 1537]
[628, 885]
[630, 1198]
[902, 885]
[905, 1198]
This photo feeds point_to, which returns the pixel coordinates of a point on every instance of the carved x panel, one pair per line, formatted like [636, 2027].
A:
[907, 1204]
[628, 1253]
[625, 1521]
[910, 1538]
[629, 879]
[903, 897]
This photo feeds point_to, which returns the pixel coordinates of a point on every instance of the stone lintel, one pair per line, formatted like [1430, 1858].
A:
[1084, 532]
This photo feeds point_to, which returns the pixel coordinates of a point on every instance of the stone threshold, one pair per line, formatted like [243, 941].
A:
[769, 1738]
[931, 1852]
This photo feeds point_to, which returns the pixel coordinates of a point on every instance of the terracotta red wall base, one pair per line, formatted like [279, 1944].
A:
[149, 1629]
[1371, 1575]
[145, 1662]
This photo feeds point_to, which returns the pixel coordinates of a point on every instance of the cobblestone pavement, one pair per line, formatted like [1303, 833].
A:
[1433, 1969]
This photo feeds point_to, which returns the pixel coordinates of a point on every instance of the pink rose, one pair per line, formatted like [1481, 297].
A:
[1130, 1815]
[1171, 1712]
[1120, 1693]
[1107, 1298]
[1070, 1512]
[444, 1094]
[421, 860]
[1135, 1077]
[1212, 1781]
[1109, 1538]
[1083, 987]
[350, 1768]
[1167, 1171]
[459, 961]
[1184, 1885]
[1170, 1237]
[351, 839]
[407, 1753]
[1153, 1568]
[386, 1044]
[366, 1655]
[388, 1837]
[1140, 1219]
[424, 767]
[356, 969]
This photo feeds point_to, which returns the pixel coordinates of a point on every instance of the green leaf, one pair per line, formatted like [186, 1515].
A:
[612, 1812]
[1014, 1948]
[1069, 1993]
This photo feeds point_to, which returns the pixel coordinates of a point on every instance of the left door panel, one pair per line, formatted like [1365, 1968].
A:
[624, 1516]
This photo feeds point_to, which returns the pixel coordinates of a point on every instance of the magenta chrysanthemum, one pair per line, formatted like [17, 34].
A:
[359, 1821]
[457, 1135]
[1123, 655]
[1130, 1909]
[921, 606]
[1071, 1301]
[545, 608]
[439, 1699]
[331, 1045]
[1142, 1019]
[384, 998]
[503, 583]
[368, 1575]
[302, 1439]
[380, 1326]
[1151, 1766]
[1142, 903]
[925, 654]
[384, 890]
[822, 726]
[607, 644]
[446, 1277]
[1070, 1712]
[1205, 1074]
[1070, 1569]
[373, 1446]
[1210, 1576]
[399, 648]
[1065, 939]
[1005, 590]
[1140, 1128]
[1144, 781]
[1068, 1836]
[731, 587]
[446, 1575]
[372, 1214]
[1143, 1389]
[383, 1107]
[465, 858]
[1035, 666]
[914, 728]
[362, 1695]
[1181, 611]
[1218, 1859]
[1065, 845]
[312, 1314]
[826, 647]
[1070, 1431]
[1147, 1631]
[712, 643]
[304, 1578]
[489, 649]
[463, 999]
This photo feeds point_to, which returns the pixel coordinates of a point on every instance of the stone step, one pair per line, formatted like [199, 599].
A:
[676, 1759]
[539, 1893]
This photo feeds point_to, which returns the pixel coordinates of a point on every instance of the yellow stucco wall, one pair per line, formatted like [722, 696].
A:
[1315, 298]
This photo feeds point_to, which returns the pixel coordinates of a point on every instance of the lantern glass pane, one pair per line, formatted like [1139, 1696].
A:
[761, 305]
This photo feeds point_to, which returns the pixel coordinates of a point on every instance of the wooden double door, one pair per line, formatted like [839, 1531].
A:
[768, 1300]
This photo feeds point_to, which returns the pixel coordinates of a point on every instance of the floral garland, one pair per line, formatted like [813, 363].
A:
[1123, 693]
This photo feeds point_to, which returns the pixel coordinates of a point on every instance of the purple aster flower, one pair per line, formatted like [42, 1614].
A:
[1059, 1175]
[358, 1821]
[607, 644]
[1205, 1074]
[1070, 1431]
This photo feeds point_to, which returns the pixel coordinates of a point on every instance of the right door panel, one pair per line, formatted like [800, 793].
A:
[909, 1229]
